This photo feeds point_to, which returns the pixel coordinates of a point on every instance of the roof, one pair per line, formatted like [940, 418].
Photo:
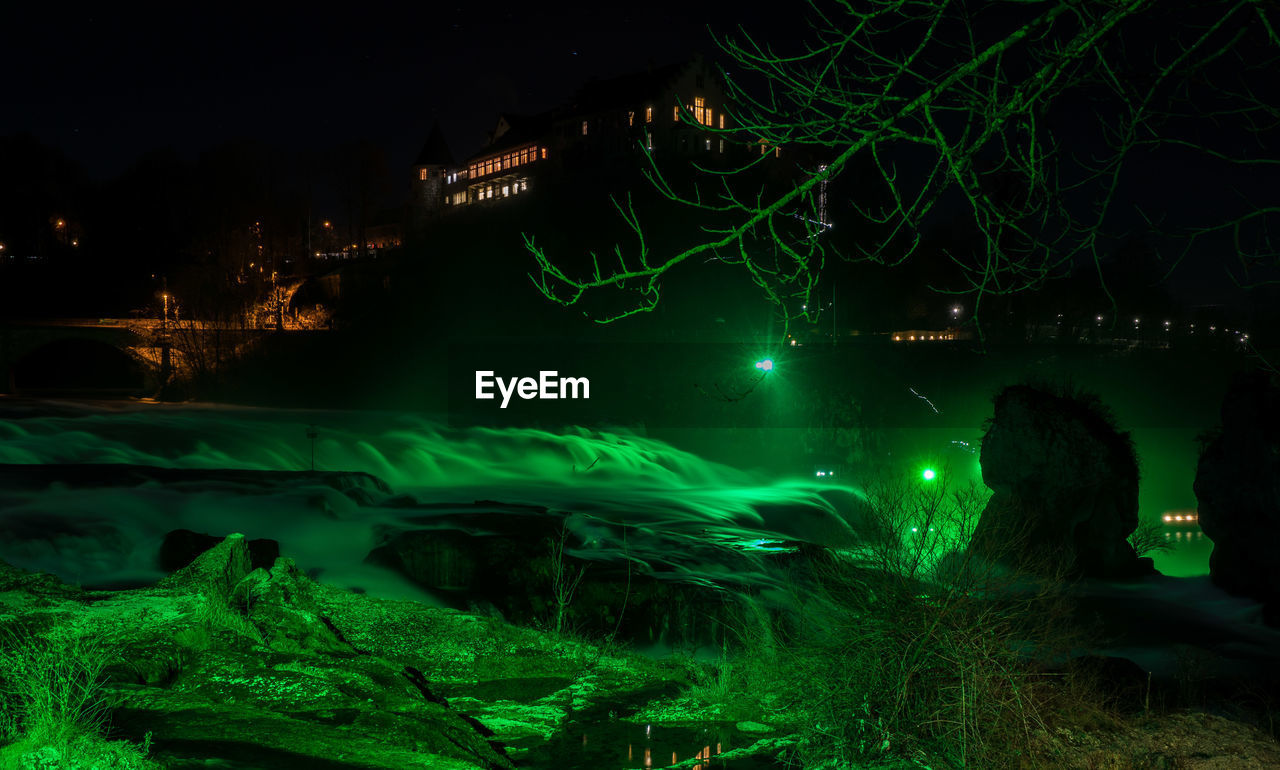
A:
[600, 95]
[435, 152]
[515, 130]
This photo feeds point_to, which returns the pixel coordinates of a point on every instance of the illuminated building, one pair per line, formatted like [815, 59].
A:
[665, 110]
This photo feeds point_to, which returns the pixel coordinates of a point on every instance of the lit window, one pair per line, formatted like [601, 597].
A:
[701, 112]
[506, 190]
[422, 174]
[524, 184]
[777, 152]
[631, 117]
[722, 146]
[584, 128]
[722, 120]
[708, 145]
[648, 114]
[675, 112]
[648, 141]
[544, 153]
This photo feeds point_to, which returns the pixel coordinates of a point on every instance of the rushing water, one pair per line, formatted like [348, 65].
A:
[97, 534]
[100, 534]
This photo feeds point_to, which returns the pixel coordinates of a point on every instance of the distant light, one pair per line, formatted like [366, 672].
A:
[1099, 319]
[765, 365]
[1168, 518]
[913, 529]
[820, 474]
[1177, 518]
[928, 474]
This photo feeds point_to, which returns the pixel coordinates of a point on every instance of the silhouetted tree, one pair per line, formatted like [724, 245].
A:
[1021, 124]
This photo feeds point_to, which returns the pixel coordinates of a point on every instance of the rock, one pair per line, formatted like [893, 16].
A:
[280, 603]
[214, 572]
[1065, 486]
[511, 567]
[182, 546]
[300, 711]
[33, 584]
[1238, 488]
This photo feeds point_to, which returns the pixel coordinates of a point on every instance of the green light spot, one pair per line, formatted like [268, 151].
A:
[928, 474]
[765, 365]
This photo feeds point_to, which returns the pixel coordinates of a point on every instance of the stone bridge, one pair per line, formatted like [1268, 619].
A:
[75, 356]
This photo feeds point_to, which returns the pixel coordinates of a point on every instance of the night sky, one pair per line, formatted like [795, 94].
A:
[108, 84]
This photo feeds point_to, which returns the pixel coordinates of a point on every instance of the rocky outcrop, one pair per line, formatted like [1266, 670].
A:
[214, 572]
[223, 665]
[1064, 484]
[1238, 488]
[220, 664]
[182, 546]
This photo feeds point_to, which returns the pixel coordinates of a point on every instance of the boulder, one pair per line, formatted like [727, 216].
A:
[1238, 488]
[1064, 484]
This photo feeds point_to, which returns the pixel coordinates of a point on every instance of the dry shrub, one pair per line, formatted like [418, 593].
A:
[907, 649]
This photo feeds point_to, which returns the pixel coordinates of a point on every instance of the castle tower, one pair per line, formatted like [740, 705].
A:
[429, 173]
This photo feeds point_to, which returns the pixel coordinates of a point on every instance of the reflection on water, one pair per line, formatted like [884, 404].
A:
[1188, 546]
[667, 746]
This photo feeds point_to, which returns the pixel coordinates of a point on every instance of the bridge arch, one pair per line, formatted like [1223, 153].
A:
[75, 365]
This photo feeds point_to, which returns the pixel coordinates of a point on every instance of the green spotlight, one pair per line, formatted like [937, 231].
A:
[765, 365]
[928, 474]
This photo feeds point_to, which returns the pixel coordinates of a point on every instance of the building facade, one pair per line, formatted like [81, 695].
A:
[678, 109]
